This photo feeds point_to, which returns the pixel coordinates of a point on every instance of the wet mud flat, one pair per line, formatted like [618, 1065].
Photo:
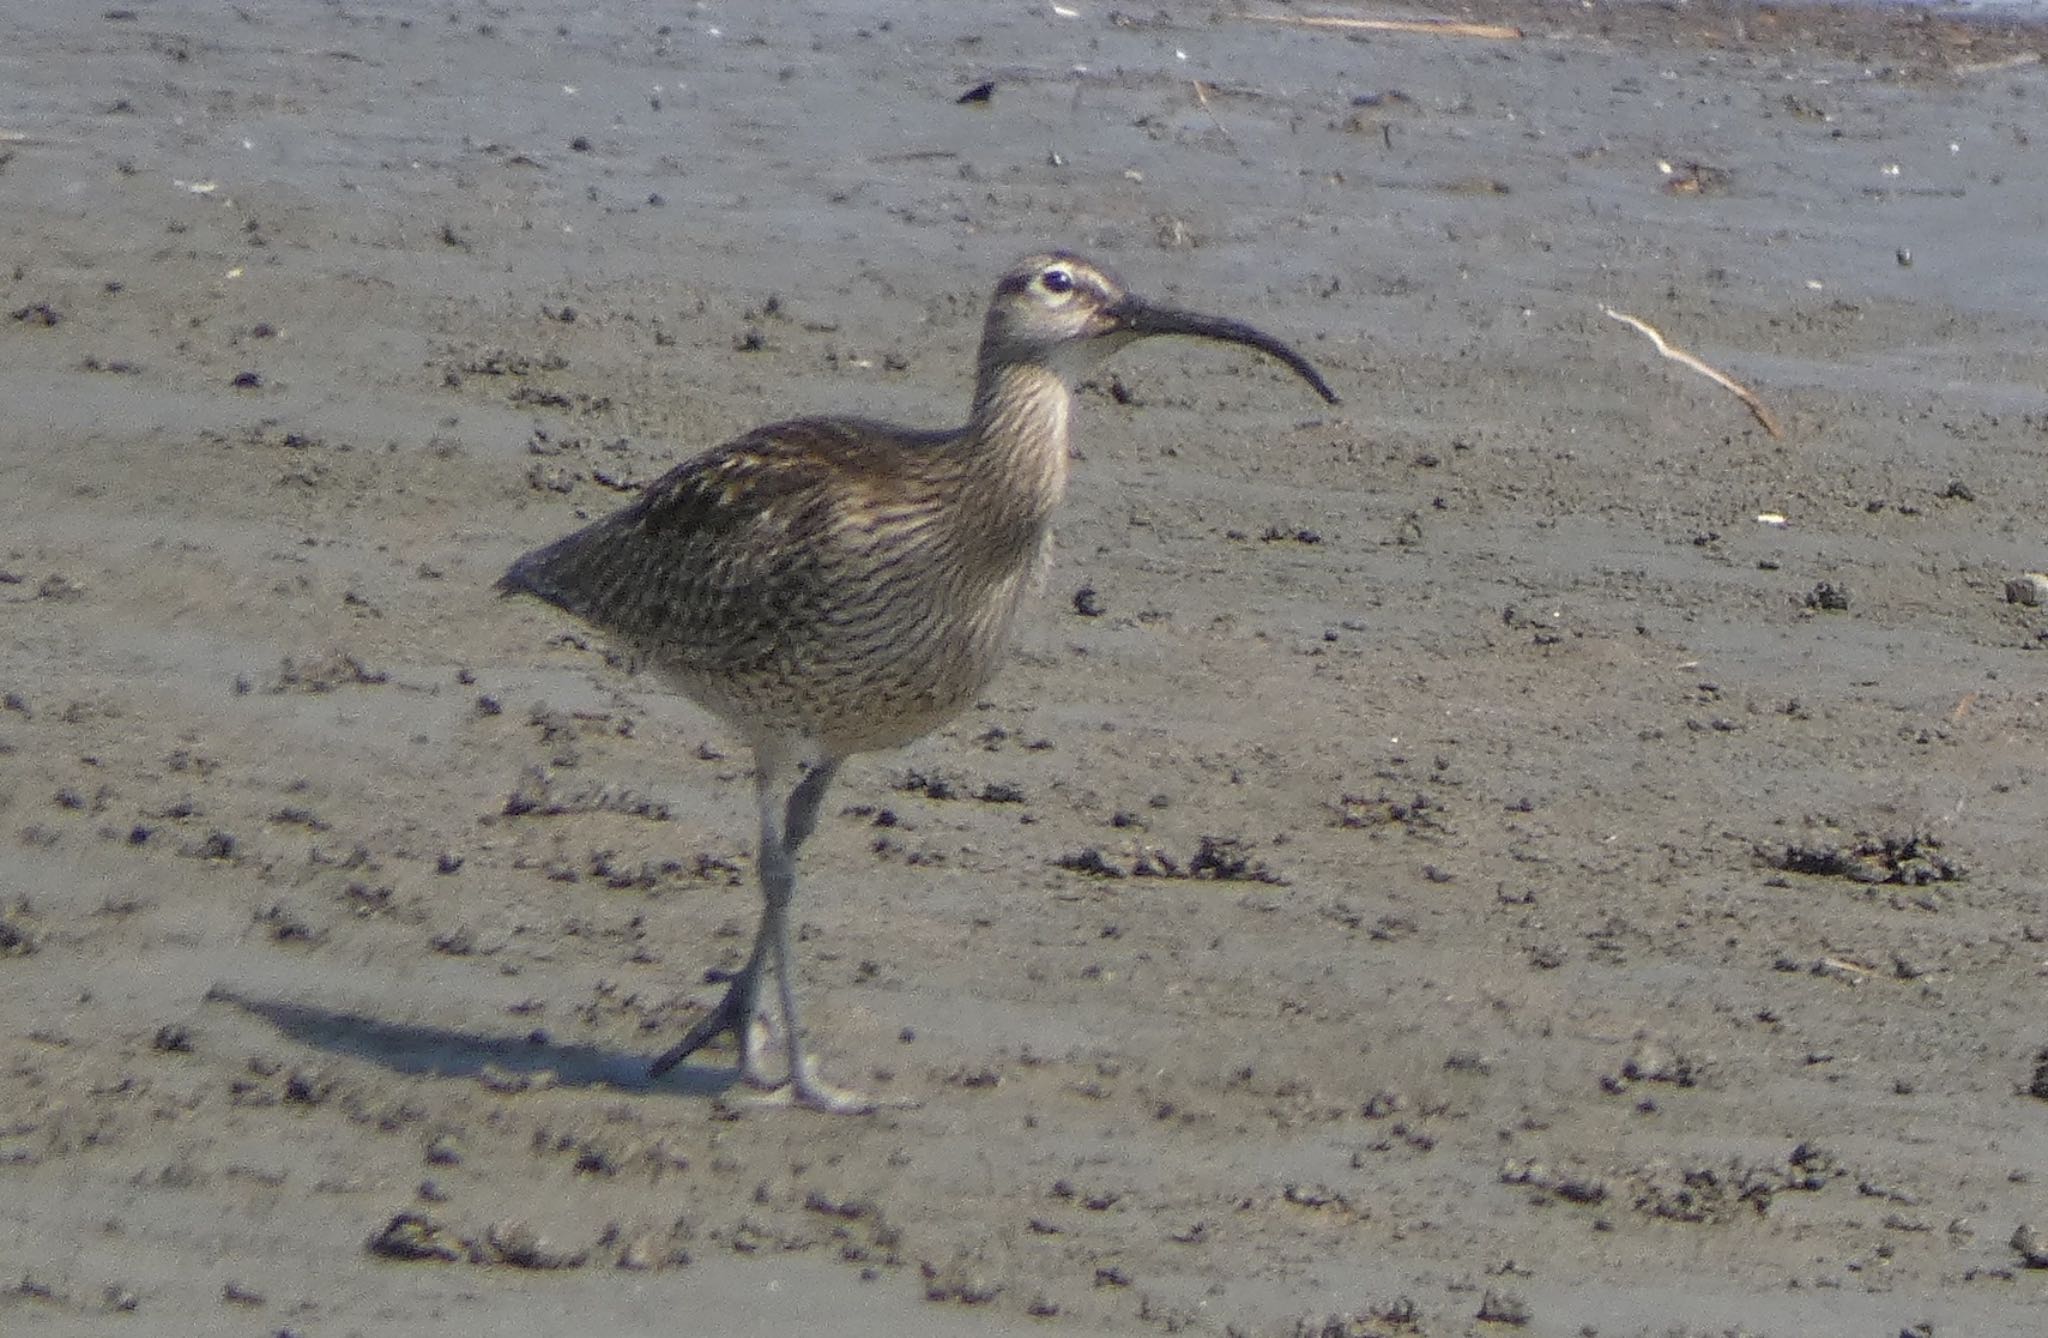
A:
[1527, 851]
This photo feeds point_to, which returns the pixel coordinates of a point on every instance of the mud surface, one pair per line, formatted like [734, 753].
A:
[1455, 870]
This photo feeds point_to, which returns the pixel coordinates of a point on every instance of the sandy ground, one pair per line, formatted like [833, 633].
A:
[1618, 915]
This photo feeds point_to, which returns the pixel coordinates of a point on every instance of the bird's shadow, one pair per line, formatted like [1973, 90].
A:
[439, 1052]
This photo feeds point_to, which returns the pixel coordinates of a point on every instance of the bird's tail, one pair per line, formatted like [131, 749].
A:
[539, 573]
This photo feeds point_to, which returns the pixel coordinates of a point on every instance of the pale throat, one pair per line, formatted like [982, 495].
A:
[1021, 417]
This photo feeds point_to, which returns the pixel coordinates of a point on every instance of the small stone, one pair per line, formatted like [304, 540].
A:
[2030, 589]
[414, 1237]
[234, 1293]
[1828, 598]
[1502, 1308]
[519, 1245]
[307, 1086]
[653, 1250]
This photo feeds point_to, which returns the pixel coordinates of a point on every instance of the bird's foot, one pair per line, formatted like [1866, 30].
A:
[738, 1014]
[814, 1093]
[806, 1089]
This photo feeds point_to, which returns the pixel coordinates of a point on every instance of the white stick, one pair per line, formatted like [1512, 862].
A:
[1679, 355]
[1428, 27]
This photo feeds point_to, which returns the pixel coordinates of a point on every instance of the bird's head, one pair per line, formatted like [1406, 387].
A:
[1068, 313]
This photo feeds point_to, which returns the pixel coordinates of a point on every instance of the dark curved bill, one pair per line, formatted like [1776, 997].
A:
[1144, 318]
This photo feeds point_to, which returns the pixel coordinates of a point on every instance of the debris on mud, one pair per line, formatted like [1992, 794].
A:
[942, 790]
[59, 587]
[1546, 1182]
[15, 941]
[236, 1293]
[324, 672]
[518, 1245]
[1223, 859]
[1089, 860]
[1654, 1061]
[1698, 1194]
[1910, 861]
[503, 362]
[1414, 815]
[1693, 179]
[1827, 598]
[286, 925]
[606, 867]
[1701, 1193]
[537, 796]
[216, 845]
[1502, 1308]
[930, 787]
[1319, 1196]
[414, 1237]
[172, 1039]
[650, 1249]
[2030, 589]
[1397, 1317]
[963, 1280]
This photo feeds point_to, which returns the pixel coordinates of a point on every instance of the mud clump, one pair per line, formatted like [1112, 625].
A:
[1910, 861]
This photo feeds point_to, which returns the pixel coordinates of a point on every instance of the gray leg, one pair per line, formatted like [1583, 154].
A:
[806, 1087]
[739, 1012]
[800, 819]
[785, 825]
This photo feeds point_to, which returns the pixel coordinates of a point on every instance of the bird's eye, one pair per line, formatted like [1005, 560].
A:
[1056, 281]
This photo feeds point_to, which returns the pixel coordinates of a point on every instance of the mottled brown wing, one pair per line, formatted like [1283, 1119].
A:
[717, 559]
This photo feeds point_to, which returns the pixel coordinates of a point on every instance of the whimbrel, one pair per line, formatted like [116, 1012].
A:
[834, 585]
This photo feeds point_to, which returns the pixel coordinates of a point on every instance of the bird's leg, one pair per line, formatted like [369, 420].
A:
[778, 888]
[806, 1088]
[800, 819]
[784, 825]
[739, 1013]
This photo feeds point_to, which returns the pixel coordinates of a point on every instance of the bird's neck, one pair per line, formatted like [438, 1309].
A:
[1018, 437]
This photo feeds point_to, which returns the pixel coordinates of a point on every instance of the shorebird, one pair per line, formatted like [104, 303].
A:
[829, 586]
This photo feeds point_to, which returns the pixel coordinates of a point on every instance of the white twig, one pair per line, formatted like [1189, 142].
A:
[1499, 32]
[1202, 96]
[1721, 379]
